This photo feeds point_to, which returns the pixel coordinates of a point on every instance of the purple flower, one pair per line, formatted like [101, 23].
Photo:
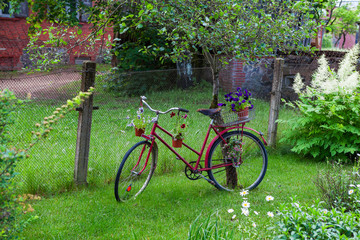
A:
[185, 116]
[130, 125]
[239, 89]
[141, 110]
[243, 101]
[251, 107]
[221, 104]
[139, 116]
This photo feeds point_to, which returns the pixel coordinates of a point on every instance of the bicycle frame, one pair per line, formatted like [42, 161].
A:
[153, 135]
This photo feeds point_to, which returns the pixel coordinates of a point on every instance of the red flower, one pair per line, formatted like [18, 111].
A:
[183, 125]
[172, 114]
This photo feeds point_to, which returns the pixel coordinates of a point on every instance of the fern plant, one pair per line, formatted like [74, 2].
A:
[328, 123]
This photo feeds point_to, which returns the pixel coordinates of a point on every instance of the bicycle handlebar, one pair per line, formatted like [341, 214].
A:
[143, 98]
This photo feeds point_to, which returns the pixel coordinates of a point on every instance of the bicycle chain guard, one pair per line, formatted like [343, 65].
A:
[190, 174]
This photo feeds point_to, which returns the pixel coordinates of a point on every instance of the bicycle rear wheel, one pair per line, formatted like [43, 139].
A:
[251, 167]
[130, 181]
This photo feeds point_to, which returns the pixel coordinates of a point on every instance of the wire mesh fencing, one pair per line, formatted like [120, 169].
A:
[50, 167]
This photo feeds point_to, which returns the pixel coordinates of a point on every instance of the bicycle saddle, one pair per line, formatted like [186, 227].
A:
[209, 112]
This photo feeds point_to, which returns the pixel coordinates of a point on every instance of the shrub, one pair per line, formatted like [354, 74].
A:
[11, 206]
[139, 83]
[314, 222]
[328, 119]
[339, 188]
[10, 209]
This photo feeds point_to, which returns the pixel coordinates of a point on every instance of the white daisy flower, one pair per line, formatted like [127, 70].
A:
[351, 191]
[325, 211]
[254, 224]
[269, 198]
[245, 211]
[245, 204]
[270, 214]
[257, 213]
[230, 210]
[244, 192]
[233, 217]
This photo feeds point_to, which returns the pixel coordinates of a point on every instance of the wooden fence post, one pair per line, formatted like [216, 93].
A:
[275, 101]
[84, 125]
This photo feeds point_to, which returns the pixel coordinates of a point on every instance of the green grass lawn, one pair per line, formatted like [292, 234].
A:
[171, 202]
[166, 209]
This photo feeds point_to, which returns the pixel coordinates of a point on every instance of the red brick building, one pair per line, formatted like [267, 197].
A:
[14, 39]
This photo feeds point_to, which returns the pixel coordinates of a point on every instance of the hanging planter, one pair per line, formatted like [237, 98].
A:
[139, 131]
[177, 143]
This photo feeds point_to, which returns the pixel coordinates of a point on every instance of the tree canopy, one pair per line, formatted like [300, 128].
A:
[219, 29]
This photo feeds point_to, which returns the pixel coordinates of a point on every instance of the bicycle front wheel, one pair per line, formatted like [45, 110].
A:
[134, 173]
[250, 166]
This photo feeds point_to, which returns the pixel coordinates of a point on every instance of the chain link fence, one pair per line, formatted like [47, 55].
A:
[50, 167]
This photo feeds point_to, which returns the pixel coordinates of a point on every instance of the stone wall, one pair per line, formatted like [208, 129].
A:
[257, 76]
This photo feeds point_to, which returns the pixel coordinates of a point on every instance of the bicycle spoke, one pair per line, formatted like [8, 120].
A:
[252, 159]
[129, 182]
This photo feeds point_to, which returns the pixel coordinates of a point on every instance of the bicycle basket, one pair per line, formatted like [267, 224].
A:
[230, 118]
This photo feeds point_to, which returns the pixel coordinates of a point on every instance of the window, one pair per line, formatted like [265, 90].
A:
[22, 11]
[288, 81]
[6, 11]
[73, 9]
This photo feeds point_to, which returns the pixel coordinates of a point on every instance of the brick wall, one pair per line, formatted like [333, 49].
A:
[14, 38]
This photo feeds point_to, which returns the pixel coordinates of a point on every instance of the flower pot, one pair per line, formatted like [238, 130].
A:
[139, 131]
[243, 114]
[177, 143]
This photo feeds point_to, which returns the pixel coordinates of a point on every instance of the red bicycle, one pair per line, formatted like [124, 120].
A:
[234, 158]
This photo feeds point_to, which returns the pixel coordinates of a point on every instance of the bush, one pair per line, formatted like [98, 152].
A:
[327, 123]
[140, 83]
[339, 188]
[314, 222]
[11, 206]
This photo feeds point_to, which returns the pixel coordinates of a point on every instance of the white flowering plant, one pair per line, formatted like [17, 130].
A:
[248, 217]
[326, 126]
[139, 121]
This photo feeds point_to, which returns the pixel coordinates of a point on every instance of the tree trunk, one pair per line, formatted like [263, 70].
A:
[231, 174]
[338, 40]
[114, 60]
[185, 73]
[344, 34]
[215, 93]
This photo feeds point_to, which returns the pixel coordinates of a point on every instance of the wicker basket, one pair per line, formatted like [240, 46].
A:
[233, 118]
